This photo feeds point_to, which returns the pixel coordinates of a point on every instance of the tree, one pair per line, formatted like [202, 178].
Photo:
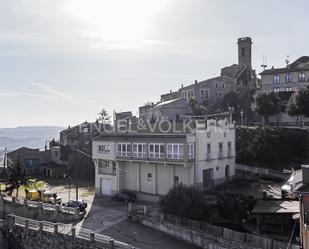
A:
[231, 99]
[267, 104]
[234, 206]
[186, 202]
[17, 177]
[293, 108]
[302, 101]
[104, 117]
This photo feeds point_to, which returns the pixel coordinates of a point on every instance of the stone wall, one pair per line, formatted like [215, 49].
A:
[33, 239]
[20, 233]
[38, 211]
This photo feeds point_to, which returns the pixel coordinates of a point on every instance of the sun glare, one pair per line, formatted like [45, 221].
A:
[119, 21]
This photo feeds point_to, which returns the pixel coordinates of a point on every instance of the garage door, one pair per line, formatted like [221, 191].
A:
[106, 187]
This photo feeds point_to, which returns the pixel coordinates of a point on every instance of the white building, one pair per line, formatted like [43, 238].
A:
[152, 163]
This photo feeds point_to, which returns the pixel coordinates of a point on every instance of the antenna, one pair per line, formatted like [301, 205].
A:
[264, 66]
[287, 61]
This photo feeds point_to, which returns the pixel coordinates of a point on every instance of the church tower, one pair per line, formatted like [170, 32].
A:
[244, 52]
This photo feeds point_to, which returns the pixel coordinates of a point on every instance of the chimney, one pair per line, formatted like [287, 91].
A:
[305, 171]
[181, 85]
[170, 91]
[195, 81]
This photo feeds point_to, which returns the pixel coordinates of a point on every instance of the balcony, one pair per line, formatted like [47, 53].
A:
[107, 171]
[123, 154]
[139, 155]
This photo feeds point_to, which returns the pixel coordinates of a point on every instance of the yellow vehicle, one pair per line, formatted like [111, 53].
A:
[46, 196]
[32, 195]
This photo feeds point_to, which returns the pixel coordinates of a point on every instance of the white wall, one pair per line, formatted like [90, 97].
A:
[214, 135]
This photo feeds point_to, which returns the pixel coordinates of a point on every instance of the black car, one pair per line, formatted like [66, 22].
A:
[125, 196]
[80, 204]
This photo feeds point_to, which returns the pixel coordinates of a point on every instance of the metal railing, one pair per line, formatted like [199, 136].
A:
[67, 229]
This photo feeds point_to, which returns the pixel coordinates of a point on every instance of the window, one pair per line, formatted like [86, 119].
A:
[139, 150]
[229, 148]
[204, 94]
[208, 151]
[277, 89]
[191, 151]
[124, 150]
[243, 51]
[156, 150]
[103, 164]
[175, 151]
[176, 181]
[104, 148]
[288, 78]
[220, 149]
[302, 77]
[149, 177]
[289, 89]
[190, 94]
[276, 78]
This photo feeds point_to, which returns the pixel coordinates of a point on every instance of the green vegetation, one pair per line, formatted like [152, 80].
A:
[184, 201]
[17, 177]
[271, 147]
[235, 207]
[267, 104]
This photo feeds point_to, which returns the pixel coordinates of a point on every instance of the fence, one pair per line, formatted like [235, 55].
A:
[260, 171]
[44, 206]
[249, 239]
[66, 229]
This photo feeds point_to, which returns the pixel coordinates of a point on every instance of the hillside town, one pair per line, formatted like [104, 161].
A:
[216, 163]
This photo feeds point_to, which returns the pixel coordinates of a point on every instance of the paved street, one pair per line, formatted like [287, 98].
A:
[144, 237]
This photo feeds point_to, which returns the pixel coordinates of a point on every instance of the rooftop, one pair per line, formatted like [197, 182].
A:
[300, 64]
[276, 207]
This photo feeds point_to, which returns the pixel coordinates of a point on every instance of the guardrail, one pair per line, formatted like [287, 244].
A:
[44, 206]
[66, 229]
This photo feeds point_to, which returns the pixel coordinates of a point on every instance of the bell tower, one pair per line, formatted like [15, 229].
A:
[245, 52]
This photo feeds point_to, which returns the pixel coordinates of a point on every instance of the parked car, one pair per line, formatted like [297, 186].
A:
[126, 196]
[80, 204]
[51, 197]
[287, 189]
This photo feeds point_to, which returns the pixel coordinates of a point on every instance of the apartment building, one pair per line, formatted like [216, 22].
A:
[286, 79]
[153, 162]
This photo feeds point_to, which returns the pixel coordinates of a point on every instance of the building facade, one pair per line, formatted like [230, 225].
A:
[152, 163]
[286, 79]
[238, 78]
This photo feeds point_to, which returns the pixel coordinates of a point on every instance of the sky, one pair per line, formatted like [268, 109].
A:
[63, 61]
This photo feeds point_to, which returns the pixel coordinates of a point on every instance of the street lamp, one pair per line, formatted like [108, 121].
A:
[69, 178]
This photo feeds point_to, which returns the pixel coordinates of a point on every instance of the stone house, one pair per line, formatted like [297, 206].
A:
[31, 159]
[286, 79]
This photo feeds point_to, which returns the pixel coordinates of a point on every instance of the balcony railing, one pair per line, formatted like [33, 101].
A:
[156, 155]
[175, 156]
[139, 154]
[123, 153]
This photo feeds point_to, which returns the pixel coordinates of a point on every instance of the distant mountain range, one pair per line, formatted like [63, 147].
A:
[29, 136]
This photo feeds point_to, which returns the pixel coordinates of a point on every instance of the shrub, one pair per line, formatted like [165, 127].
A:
[183, 201]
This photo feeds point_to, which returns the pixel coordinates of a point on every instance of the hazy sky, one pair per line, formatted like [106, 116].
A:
[62, 61]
